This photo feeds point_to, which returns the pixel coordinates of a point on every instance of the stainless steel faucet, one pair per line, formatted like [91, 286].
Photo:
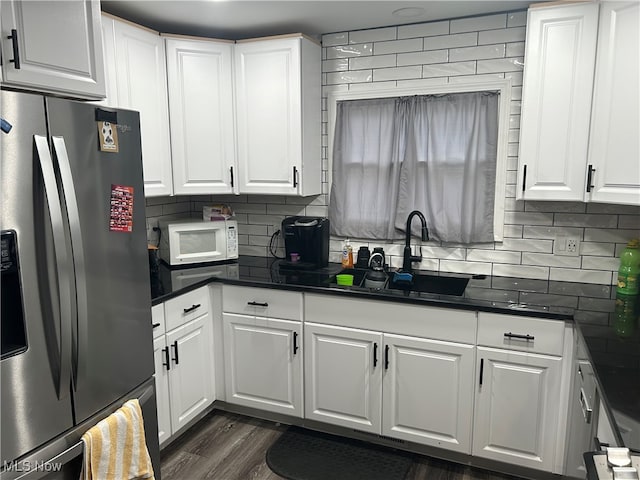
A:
[408, 258]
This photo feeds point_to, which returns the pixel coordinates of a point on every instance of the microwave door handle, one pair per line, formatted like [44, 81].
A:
[80, 332]
[62, 262]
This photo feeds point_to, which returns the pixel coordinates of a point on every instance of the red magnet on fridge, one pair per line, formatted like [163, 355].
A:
[121, 218]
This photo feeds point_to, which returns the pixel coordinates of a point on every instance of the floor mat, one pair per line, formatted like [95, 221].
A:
[301, 454]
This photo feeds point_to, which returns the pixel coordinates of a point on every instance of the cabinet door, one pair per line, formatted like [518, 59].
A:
[556, 102]
[263, 363]
[59, 47]
[428, 392]
[614, 149]
[201, 113]
[162, 361]
[343, 376]
[142, 85]
[191, 378]
[268, 100]
[517, 407]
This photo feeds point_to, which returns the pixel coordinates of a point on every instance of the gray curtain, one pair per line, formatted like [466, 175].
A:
[433, 153]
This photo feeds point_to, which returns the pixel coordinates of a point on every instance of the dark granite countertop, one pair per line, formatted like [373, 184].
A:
[609, 325]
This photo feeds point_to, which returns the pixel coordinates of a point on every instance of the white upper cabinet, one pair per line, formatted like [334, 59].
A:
[201, 113]
[614, 150]
[139, 82]
[580, 121]
[53, 47]
[278, 116]
[556, 101]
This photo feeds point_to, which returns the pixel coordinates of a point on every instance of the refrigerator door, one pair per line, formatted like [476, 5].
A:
[112, 338]
[61, 459]
[35, 396]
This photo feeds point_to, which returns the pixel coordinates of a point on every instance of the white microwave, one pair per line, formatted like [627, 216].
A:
[183, 242]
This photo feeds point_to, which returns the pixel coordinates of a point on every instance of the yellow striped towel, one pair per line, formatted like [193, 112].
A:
[115, 448]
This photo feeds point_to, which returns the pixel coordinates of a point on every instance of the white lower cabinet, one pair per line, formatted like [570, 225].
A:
[263, 348]
[518, 393]
[405, 387]
[427, 392]
[343, 376]
[517, 407]
[161, 363]
[184, 362]
[263, 363]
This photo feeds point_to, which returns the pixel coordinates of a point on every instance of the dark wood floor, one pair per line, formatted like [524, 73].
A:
[226, 446]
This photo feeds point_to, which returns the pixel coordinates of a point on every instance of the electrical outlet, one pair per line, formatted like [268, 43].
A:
[566, 245]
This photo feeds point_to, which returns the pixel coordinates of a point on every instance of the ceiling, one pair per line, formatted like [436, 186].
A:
[236, 19]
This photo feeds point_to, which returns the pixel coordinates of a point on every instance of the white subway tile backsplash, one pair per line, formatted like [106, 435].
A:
[317, 211]
[521, 271]
[515, 50]
[397, 73]
[569, 207]
[610, 235]
[607, 208]
[501, 65]
[548, 259]
[252, 250]
[356, 76]
[585, 220]
[374, 35]
[449, 69]
[473, 24]
[507, 35]
[423, 58]
[439, 252]
[515, 77]
[372, 86]
[551, 232]
[493, 256]
[475, 78]
[475, 268]
[600, 263]
[423, 29]
[629, 221]
[346, 51]
[526, 245]
[332, 39]
[528, 218]
[397, 46]
[327, 89]
[376, 61]
[249, 208]
[476, 53]
[335, 65]
[422, 82]
[517, 19]
[598, 248]
[451, 41]
[584, 276]
[514, 121]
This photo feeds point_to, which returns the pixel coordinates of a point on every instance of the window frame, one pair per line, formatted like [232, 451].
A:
[502, 86]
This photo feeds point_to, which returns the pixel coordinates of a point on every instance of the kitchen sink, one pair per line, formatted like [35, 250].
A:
[437, 284]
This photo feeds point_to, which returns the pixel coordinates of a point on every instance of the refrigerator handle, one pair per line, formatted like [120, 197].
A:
[79, 333]
[48, 466]
[62, 261]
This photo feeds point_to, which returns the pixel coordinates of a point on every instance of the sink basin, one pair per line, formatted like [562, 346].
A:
[437, 284]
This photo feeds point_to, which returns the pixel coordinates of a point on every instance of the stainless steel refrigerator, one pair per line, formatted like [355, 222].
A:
[76, 308]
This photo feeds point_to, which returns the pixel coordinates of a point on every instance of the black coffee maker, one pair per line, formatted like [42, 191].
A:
[306, 242]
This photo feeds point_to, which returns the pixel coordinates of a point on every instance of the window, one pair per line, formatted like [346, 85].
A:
[442, 154]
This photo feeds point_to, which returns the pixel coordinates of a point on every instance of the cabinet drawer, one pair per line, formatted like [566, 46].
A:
[186, 307]
[526, 334]
[157, 320]
[262, 302]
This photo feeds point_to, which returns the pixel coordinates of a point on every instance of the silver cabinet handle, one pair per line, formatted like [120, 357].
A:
[77, 248]
[62, 262]
[586, 410]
